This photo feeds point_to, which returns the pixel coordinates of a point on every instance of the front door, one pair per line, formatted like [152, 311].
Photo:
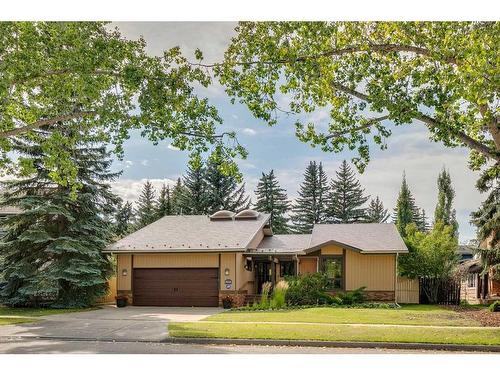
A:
[263, 274]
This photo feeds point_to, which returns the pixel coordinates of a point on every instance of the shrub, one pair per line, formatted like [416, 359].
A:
[278, 299]
[308, 289]
[353, 297]
[495, 306]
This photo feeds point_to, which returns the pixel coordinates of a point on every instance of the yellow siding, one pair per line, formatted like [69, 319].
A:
[407, 290]
[195, 260]
[110, 297]
[245, 279]
[227, 261]
[375, 272]
[124, 262]
[332, 250]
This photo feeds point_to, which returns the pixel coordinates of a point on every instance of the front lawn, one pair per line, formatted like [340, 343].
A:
[438, 335]
[35, 312]
[407, 315]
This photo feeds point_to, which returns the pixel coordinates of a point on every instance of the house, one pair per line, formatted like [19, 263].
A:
[465, 252]
[5, 213]
[197, 260]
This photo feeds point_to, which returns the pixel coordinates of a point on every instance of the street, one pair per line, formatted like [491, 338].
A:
[45, 346]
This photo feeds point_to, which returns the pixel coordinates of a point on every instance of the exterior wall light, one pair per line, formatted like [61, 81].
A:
[124, 272]
[226, 272]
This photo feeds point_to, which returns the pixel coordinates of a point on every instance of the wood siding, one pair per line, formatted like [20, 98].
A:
[308, 265]
[407, 290]
[170, 260]
[227, 261]
[110, 296]
[375, 272]
[332, 250]
[124, 262]
[245, 279]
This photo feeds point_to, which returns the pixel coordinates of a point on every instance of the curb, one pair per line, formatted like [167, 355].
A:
[336, 344]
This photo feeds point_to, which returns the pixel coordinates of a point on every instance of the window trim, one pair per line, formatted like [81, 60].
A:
[471, 280]
[323, 259]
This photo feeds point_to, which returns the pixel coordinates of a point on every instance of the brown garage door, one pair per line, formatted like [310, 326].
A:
[176, 287]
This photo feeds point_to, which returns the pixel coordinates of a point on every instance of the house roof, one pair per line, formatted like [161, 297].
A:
[364, 237]
[9, 210]
[190, 234]
[283, 244]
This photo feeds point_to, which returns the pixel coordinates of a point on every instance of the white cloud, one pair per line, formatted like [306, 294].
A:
[145, 162]
[249, 131]
[128, 163]
[130, 189]
[235, 116]
[173, 148]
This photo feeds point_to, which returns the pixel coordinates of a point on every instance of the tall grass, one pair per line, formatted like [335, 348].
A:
[278, 299]
[264, 297]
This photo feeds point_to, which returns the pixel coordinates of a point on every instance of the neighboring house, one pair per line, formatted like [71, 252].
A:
[197, 260]
[5, 212]
[465, 252]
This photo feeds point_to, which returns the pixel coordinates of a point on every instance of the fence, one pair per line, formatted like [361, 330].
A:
[447, 292]
[407, 290]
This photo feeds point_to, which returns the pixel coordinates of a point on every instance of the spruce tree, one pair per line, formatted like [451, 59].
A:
[406, 211]
[421, 221]
[345, 198]
[145, 211]
[53, 249]
[444, 209]
[194, 200]
[178, 192]
[124, 219]
[164, 206]
[272, 199]
[223, 192]
[376, 213]
[310, 207]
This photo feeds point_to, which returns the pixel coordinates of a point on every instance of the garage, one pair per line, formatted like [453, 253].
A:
[175, 287]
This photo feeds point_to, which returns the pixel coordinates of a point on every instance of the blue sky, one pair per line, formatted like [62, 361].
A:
[409, 148]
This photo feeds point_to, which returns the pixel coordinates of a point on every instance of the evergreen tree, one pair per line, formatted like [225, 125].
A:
[406, 211]
[310, 207]
[223, 192]
[444, 209]
[146, 206]
[124, 219]
[53, 249]
[345, 198]
[194, 200]
[164, 207]
[421, 221]
[376, 213]
[178, 192]
[272, 199]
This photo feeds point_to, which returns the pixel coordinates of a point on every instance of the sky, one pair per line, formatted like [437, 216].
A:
[409, 148]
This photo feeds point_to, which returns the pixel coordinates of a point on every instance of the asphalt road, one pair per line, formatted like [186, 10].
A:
[36, 346]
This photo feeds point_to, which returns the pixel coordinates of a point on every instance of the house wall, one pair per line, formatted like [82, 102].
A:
[245, 280]
[124, 262]
[184, 260]
[467, 293]
[308, 265]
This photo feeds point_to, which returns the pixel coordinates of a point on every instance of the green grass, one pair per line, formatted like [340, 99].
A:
[4, 321]
[35, 312]
[407, 315]
[438, 335]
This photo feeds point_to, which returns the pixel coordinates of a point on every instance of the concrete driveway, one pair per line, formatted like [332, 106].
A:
[110, 323]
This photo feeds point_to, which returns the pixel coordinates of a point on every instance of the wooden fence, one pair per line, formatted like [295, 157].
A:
[407, 290]
[110, 297]
[447, 291]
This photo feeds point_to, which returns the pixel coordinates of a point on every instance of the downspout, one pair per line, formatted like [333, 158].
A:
[396, 280]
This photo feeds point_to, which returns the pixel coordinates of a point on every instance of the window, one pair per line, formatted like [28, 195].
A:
[471, 280]
[333, 267]
[287, 268]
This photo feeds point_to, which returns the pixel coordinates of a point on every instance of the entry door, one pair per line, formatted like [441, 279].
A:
[176, 287]
[263, 274]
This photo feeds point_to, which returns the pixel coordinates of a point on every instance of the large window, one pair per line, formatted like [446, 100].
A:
[471, 280]
[287, 268]
[333, 267]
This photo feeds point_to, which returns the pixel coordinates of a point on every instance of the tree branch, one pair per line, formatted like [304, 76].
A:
[381, 48]
[368, 124]
[45, 122]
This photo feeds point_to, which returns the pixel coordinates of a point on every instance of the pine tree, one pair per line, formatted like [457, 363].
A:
[146, 206]
[177, 198]
[345, 198]
[124, 219]
[164, 206]
[376, 213]
[272, 199]
[421, 221]
[310, 207]
[53, 249]
[444, 209]
[223, 192]
[406, 211]
[194, 200]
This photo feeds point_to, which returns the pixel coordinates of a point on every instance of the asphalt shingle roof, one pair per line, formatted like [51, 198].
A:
[284, 244]
[191, 233]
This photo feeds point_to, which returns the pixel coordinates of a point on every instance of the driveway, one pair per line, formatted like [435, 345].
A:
[109, 323]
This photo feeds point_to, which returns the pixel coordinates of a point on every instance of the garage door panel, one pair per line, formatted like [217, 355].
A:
[176, 287]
